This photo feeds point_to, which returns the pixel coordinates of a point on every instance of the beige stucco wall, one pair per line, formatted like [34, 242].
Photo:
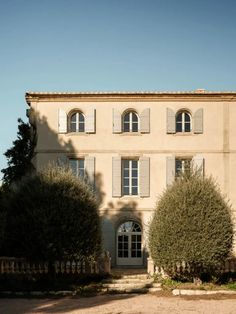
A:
[217, 145]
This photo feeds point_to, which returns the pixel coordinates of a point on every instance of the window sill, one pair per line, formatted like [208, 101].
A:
[185, 134]
[77, 133]
[131, 133]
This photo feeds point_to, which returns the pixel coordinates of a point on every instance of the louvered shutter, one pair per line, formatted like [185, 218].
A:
[170, 170]
[90, 121]
[144, 176]
[198, 121]
[90, 169]
[116, 176]
[198, 163]
[170, 121]
[116, 121]
[62, 121]
[145, 121]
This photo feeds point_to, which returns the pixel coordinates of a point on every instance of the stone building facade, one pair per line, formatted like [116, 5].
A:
[130, 145]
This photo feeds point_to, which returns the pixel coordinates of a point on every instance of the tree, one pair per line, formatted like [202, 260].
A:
[20, 155]
[192, 224]
[52, 215]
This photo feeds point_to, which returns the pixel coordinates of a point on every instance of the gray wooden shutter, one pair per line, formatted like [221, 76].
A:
[90, 121]
[62, 161]
[116, 121]
[198, 121]
[170, 121]
[62, 121]
[116, 176]
[90, 169]
[144, 176]
[170, 170]
[198, 163]
[145, 121]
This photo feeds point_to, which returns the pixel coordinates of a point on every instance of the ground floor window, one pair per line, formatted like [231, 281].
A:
[77, 166]
[182, 165]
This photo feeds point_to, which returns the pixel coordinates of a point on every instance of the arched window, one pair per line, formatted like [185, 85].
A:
[77, 122]
[183, 122]
[130, 122]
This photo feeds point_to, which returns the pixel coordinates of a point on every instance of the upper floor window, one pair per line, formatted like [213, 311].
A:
[77, 122]
[130, 177]
[183, 121]
[130, 122]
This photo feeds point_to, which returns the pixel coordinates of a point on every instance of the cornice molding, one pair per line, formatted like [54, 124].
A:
[198, 95]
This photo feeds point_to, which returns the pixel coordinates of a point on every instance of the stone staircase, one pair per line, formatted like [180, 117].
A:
[130, 281]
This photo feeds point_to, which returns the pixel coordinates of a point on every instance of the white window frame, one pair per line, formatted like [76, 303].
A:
[183, 161]
[77, 174]
[130, 113]
[183, 112]
[130, 176]
[77, 121]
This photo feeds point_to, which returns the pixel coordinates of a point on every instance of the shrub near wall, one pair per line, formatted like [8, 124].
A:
[52, 216]
[192, 224]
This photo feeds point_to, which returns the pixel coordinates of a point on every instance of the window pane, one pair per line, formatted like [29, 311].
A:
[126, 117]
[179, 117]
[126, 127]
[135, 182]
[186, 117]
[133, 237]
[125, 190]
[126, 163]
[139, 237]
[139, 254]
[134, 191]
[133, 253]
[125, 253]
[134, 173]
[81, 126]
[120, 253]
[73, 118]
[134, 127]
[134, 117]
[73, 127]
[187, 127]
[126, 182]
[126, 173]
[134, 164]
[73, 166]
[81, 163]
[178, 127]
[81, 117]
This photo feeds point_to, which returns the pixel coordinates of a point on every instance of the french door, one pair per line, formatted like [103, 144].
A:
[129, 244]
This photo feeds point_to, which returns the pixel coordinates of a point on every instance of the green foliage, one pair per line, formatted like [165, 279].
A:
[52, 216]
[192, 224]
[20, 155]
[2, 215]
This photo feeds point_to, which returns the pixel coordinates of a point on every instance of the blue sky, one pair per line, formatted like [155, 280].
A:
[105, 45]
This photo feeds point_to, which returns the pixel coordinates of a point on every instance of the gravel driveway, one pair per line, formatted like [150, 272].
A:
[120, 304]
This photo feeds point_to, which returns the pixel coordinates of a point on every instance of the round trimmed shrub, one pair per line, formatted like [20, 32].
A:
[52, 215]
[192, 224]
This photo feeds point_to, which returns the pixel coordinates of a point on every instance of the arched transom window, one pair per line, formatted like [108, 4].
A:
[183, 122]
[77, 122]
[130, 122]
[129, 226]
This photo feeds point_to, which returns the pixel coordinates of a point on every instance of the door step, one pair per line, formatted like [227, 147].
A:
[137, 283]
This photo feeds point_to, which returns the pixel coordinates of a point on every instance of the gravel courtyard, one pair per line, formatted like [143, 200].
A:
[120, 304]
